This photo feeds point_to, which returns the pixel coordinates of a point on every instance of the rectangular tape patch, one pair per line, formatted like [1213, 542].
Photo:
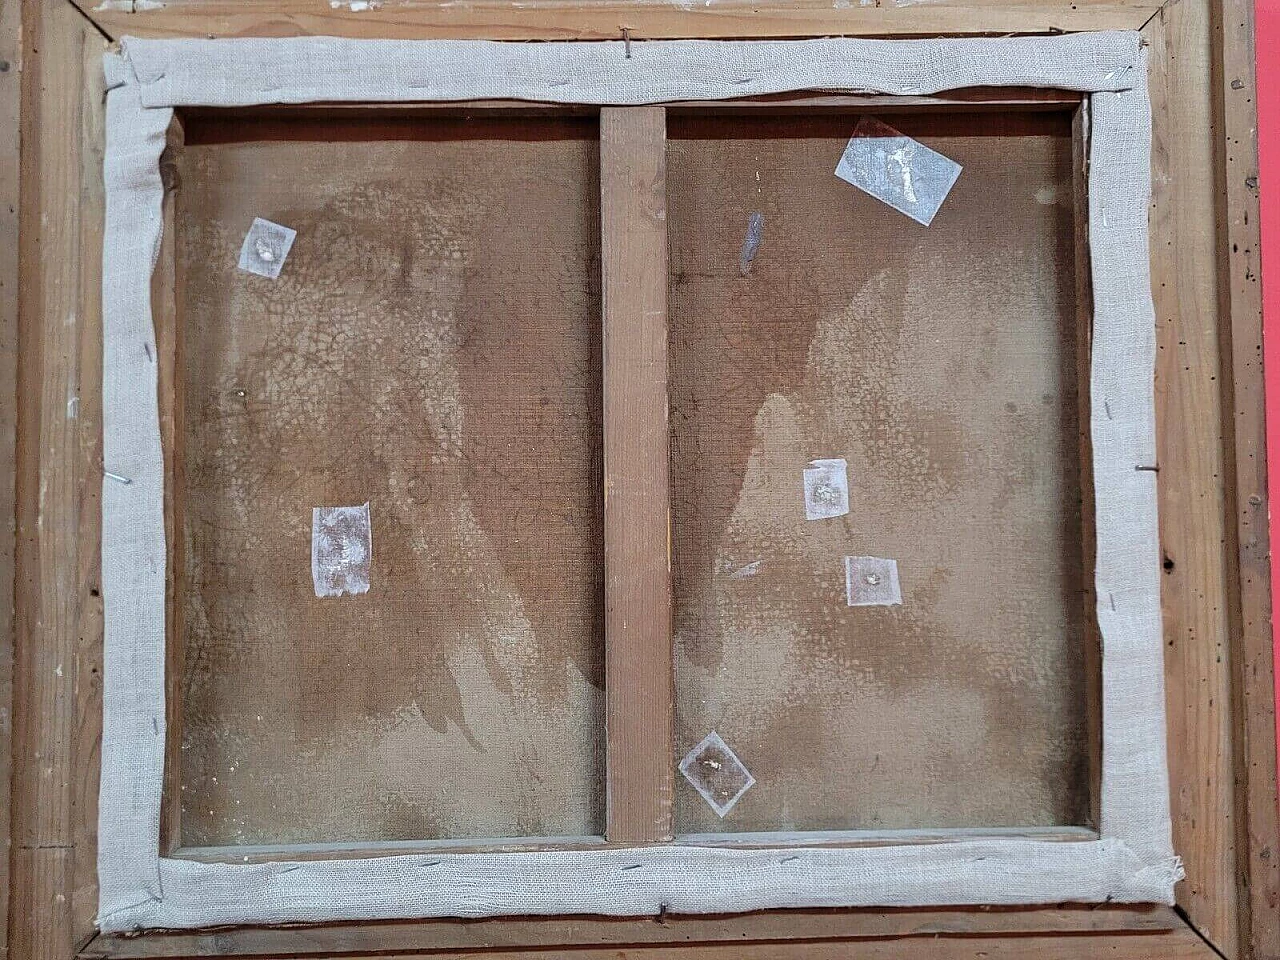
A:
[897, 170]
[826, 489]
[341, 550]
[265, 247]
[871, 582]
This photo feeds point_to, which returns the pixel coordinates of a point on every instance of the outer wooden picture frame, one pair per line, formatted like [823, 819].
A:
[1206, 686]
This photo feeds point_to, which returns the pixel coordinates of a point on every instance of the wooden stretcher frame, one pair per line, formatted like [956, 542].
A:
[1130, 862]
[639, 693]
[1212, 490]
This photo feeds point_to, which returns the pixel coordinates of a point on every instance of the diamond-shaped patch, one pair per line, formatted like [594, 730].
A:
[716, 773]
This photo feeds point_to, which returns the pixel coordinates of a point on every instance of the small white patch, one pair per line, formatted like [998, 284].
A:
[73, 408]
[871, 582]
[341, 550]
[57, 671]
[1047, 195]
[749, 570]
[265, 247]
[751, 244]
[826, 489]
[716, 773]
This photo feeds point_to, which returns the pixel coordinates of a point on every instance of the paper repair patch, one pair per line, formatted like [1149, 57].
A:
[716, 773]
[341, 550]
[902, 172]
[826, 489]
[871, 582]
[265, 247]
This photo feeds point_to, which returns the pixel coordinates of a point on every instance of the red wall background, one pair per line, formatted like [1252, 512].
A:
[1267, 13]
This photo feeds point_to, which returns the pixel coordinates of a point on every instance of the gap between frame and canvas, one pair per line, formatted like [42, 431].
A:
[1132, 861]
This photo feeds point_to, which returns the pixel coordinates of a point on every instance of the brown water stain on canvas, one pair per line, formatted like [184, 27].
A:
[431, 347]
[924, 357]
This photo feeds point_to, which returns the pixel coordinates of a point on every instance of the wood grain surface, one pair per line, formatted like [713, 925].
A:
[1244, 423]
[58, 625]
[494, 933]
[1194, 524]
[606, 19]
[637, 522]
[1180, 943]
[10, 112]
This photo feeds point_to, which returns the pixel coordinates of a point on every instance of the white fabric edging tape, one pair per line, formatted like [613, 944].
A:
[133, 545]
[228, 73]
[1133, 860]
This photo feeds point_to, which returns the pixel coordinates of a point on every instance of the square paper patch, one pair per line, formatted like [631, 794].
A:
[265, 247]
[826, 489]
[341, 550]
[716, 773]
[871, 582]
[902, 172]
